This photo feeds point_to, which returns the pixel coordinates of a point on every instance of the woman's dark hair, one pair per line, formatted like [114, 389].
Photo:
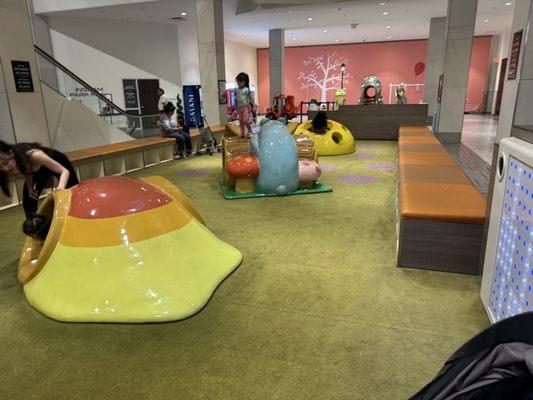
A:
[243, 76]
[36, 226]
[21, 159]
[169, 107]
[161, 90]
[320, 121]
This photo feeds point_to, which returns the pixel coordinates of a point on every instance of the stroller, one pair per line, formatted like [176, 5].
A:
[208, 143]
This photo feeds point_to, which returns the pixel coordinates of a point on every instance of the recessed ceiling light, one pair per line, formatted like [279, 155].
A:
[385, 13]
[310, 18]
[508, 4]
[183, 14]
[486, 21]
[336, 40]
[382, 3]
[325, 31]
[293, 38]
[290, 11]
[389, 37]
[388, 27]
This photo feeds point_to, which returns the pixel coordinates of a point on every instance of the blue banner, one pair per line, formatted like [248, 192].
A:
[192, 105]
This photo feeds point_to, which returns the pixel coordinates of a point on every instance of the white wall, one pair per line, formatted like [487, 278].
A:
[47, 6]
[103, 52]
[240, 58]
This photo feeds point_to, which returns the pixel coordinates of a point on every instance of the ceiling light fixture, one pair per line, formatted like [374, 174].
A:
[389, 37]
[183, 14]
[336, 40]
[325, 31]
[310, 18]
[385, 13]
[388, 27]
[290, 11]
[508, 4]
[382, 3]
[293, 38]
[486, 21]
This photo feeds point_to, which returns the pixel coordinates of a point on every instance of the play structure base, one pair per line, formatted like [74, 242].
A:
[230, 193]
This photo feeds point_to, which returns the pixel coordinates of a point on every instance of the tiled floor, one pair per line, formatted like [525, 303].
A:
[479, 133]
[474, 154]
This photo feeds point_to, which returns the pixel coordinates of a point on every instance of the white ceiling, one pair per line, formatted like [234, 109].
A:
[408, 19]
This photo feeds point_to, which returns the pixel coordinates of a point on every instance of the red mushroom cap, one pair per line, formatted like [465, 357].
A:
[242, 166]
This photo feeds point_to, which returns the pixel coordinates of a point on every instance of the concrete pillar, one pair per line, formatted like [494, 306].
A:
[211, 55]
[491, 91]
[458, 49]
[24, 109]
[276, 50]
[188, 51]
[434, 63]
[510, 87]
[523, 116]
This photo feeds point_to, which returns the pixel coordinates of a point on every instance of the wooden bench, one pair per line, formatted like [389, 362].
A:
[441, 213]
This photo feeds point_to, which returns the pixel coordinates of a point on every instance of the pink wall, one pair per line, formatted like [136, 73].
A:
[392, 62]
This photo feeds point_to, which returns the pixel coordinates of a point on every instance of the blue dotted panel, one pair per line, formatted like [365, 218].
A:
[513, 277]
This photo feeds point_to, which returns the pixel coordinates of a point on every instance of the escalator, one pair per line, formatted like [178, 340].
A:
[63, 81]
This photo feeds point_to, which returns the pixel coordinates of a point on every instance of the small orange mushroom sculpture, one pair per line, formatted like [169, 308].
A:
[244, 168]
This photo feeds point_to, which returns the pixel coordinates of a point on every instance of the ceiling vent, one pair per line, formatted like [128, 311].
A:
[354, 26]
[177, 19]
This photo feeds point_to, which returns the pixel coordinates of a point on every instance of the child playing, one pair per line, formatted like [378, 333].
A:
[244, 98]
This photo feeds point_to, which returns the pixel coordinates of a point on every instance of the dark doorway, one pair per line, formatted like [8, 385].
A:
[148, 101]
[501, 81]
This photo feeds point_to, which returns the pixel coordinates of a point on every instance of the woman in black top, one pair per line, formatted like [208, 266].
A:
[37, 164]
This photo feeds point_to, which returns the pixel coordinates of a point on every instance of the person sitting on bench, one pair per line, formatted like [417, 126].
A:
[170, 129]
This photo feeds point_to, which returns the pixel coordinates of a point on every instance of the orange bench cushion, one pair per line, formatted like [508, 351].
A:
[423, 147]
[410, 129]
[444, 202]
[409, 173]
[418, 139]
[417, 157]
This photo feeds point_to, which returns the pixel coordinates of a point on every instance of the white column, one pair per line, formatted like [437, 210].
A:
[188, 51]
[491, 91]
[510, 88]
[28, 118]
[434, 63]
[211, 54]
[276, 51]
[524, 110]
[459, 35]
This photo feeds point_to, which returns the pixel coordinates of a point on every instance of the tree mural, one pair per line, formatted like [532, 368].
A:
[323, 72]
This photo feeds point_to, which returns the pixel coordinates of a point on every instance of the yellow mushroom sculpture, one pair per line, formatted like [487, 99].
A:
[121, 249]
[337, 140]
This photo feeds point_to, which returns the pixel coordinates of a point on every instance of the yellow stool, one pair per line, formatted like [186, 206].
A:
[336, 141]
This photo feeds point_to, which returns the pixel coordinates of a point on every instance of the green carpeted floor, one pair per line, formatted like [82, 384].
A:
[317, 309]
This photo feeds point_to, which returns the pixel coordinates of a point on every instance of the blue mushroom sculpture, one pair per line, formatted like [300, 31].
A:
[276, 151]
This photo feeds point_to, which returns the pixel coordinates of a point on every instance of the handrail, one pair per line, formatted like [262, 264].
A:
[95, 92]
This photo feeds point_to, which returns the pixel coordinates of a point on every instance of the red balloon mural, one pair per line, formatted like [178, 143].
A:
[419, 68]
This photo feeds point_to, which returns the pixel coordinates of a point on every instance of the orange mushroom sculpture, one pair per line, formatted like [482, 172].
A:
[244, 168]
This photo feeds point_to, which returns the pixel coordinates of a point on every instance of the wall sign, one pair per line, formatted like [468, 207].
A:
[515, 55]
[22, 76]
[439, 92]
[222, 92]
[131, 96]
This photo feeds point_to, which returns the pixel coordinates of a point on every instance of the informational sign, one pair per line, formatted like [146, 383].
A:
[131, 96]
[193, 105]
[22, 76]
[439, 93]
[222, 92]
[515, 55]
